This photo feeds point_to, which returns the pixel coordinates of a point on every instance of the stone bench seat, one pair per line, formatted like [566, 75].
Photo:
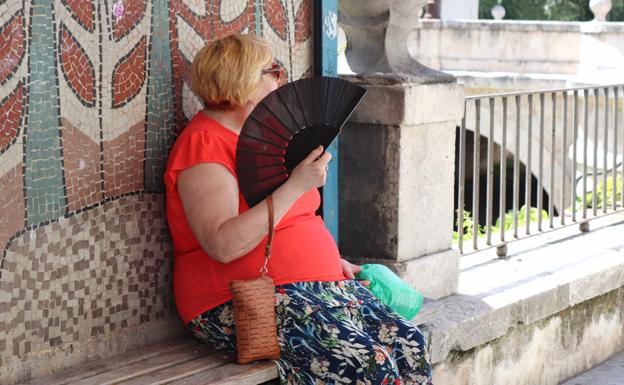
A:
[182, 361]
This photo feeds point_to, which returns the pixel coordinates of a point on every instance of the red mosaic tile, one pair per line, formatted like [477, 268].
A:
[134, 11]
[123, 162]
[12, 219]
[275, 14]
[129, 75]
[77, 68]
[82, 11]
[81, 157]
[11, 109]
[303, 22]
[220, 28]
[11, 47]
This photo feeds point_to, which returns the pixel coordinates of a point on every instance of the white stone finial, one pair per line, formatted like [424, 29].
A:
[600, 9]
[498, 12]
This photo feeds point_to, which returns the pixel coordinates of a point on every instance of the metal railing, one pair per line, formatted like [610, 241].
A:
[569, 142]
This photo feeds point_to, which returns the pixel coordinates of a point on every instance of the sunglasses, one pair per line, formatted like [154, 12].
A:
[275, 70]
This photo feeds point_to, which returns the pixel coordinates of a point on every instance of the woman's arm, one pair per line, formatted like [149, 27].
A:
[209, 194]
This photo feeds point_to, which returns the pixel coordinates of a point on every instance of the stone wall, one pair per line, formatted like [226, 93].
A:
[579, 52]
[92, 95]
[544, 352]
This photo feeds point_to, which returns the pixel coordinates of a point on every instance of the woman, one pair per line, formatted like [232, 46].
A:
[331, 329]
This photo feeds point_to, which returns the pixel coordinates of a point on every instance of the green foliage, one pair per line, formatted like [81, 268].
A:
[617, 12]
[532, 214]
[589, 197]
[522, 218]
[468, 222]
[561, 10]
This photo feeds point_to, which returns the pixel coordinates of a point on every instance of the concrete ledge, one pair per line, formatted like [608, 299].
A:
[539, 47]
[497, 296]
[524, 25]
[395, 99]
[545, 352]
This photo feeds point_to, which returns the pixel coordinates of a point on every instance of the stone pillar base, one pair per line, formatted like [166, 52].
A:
[434, 275]
[397, 156]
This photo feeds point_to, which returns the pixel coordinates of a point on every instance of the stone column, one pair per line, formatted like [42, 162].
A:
[396, 179]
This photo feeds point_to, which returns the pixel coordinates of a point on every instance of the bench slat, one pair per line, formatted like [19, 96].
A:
[232, 374]
[180, 371]
[96, 367]
[182, 361]
[143, 367]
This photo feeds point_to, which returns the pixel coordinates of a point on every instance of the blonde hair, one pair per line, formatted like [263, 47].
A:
[226, 73]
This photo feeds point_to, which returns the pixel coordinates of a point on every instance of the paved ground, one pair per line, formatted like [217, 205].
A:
[609, 373]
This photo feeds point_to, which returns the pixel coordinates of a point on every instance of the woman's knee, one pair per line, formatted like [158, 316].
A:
[408, 349]
[374, 361]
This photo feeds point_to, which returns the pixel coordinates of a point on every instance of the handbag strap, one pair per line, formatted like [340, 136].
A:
[267, 251]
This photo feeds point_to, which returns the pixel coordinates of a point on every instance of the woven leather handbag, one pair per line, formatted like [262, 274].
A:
[254, 310]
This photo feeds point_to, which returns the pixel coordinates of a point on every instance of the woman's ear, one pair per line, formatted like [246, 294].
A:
[251, 105]
[254, 98]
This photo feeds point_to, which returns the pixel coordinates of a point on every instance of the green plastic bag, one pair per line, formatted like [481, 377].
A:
[392, 290]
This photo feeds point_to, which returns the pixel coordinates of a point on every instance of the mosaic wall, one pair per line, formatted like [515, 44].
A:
[92, 94]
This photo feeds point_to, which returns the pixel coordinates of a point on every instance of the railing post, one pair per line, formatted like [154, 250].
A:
[397, 178]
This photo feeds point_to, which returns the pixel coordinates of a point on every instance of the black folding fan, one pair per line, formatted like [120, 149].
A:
[286, 126]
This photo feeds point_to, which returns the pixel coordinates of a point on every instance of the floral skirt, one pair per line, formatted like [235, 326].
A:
[332, 333]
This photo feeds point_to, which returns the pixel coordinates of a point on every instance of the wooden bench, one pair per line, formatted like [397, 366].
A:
[183, 361]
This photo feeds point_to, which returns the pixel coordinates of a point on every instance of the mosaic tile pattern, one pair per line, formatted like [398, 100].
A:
[11, 202]
[43, 176]
[12, 45]
[134, 12]
[83, 11]
[160, 119]
[111, 117]
[77, 68]
[92, 95]
[11, 113]
[82, 168]
[123, 162]
[86, 275]
[129, 75]
[14, 34]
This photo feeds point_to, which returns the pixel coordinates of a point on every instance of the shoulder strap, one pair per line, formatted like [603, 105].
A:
[267, 251]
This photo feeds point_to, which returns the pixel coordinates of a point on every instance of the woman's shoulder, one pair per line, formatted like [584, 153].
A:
[202, 125]
[202, 141]
[203, 134]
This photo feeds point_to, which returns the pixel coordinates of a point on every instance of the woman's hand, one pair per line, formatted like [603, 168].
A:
[350, 271]
[311, 172]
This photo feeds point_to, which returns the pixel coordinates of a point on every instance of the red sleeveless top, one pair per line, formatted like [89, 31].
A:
[303, 249]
